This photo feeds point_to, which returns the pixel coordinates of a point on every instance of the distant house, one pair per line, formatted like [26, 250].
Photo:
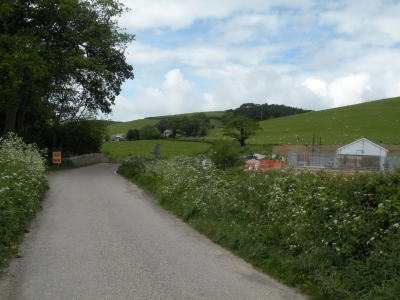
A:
[362, 154]
[167, 133]
[117, 137]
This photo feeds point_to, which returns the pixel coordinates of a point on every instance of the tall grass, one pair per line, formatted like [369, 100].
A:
[333, 236]
[22, 187]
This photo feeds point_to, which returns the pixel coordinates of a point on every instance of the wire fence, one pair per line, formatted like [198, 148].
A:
[343, 162]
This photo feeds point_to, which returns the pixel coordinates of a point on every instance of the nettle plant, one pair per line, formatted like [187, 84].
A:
[22, 187]
[335, 236]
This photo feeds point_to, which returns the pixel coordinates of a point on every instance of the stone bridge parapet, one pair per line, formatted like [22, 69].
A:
[89, 159]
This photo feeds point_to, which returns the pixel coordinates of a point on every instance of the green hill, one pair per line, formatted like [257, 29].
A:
[123, 127]
[376, 120]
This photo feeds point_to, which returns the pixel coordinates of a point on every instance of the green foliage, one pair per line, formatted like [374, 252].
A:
[22, 187]
[162, 125]
[59, 63]
[132, 134]
[226, 155]
[81, 137]
[241, 129]
[333, 236]
[132, 169]
[259, 112]
[149, 133]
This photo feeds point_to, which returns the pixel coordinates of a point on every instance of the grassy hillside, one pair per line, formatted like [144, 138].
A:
[123, 127]
[376, 120]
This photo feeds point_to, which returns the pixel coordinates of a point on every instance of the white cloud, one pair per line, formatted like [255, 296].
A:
[175, 96]
[373, 21]
[260, 86]
[341, 91]
[214, 55]
[124, 110]
[179, 14]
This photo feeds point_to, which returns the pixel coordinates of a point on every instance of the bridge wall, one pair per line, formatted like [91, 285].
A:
[89, 159]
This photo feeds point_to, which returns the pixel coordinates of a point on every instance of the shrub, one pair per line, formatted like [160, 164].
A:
[226, 155]
[132, 168]
[149, 132]
[22, 187]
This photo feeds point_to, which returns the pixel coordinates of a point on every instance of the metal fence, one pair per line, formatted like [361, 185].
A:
[347, 162]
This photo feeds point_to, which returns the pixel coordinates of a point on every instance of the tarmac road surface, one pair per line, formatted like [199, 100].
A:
[100, 237]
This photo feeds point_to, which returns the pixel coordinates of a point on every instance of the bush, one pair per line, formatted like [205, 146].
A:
[132, 134]
[132, 168]
[149, 132]
[82, 137]
[22, 187]
[226, 155]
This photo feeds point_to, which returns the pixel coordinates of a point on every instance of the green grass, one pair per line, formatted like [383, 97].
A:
[209, 114]
[217, 123]
[376, 120]
[143, 148]
[123, 127]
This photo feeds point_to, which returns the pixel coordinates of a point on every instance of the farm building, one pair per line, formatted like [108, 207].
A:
[362, 154]
[117, 137]
[358, 155]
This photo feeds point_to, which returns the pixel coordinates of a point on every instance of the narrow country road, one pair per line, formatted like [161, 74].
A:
[100, 237]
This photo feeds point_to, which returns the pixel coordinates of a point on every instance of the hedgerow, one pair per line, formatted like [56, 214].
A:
[332, 236]
[22, 187]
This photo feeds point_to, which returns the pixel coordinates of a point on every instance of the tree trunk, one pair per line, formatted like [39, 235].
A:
[11, 120]
[21, 119]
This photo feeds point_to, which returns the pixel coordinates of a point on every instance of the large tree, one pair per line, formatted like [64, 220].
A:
[59, 60]
[187, 125]
[241, 128]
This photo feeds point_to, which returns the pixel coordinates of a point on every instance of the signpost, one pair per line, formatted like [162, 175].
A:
[56, 158]
[156, 151]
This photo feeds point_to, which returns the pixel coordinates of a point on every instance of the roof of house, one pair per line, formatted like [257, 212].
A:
[358, 141]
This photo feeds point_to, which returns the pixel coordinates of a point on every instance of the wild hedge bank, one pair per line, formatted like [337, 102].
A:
[22, 187]
[333, 236]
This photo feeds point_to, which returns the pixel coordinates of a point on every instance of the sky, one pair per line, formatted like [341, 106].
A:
[213, 55]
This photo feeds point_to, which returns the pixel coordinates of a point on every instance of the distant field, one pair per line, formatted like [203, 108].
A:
[376, 121]
[123, 127]
[217, 123]
[143, 148]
